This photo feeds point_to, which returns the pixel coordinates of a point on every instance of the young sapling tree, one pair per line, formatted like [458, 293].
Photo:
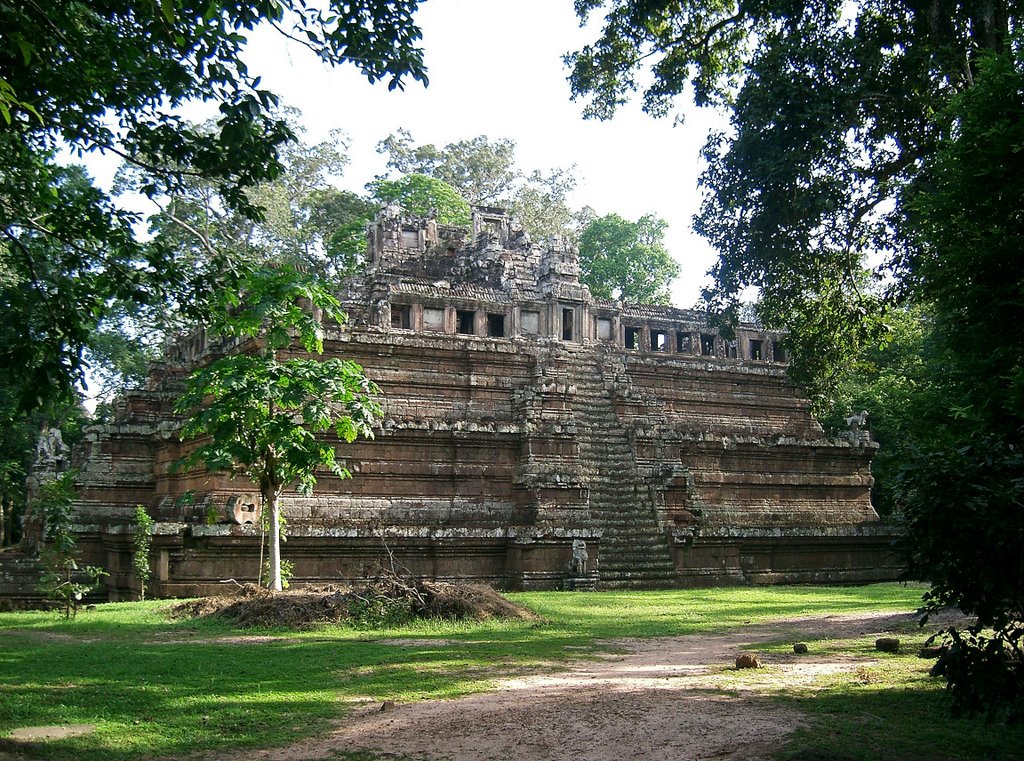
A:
[64, 580]
[261, 410]
[141, 543]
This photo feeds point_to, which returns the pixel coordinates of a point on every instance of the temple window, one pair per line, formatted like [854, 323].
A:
[633, 338]
[566, 324]
[401, 316]
[604, 329]
[682, 342]
[496, 325]
[659, 340]
[410, 238]
[466, 321]
[707, 344]
[756, 350]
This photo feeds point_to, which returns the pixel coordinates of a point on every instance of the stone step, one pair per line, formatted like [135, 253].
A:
[664, 571]
[611, 574]
[635, 555]
[661, 565]
[632, 565]
[638, 584]
[634, 550]
[620, 538]
[633, 526]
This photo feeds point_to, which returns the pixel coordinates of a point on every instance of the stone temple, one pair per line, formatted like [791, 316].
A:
[534, 437]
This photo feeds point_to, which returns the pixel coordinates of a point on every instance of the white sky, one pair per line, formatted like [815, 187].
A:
[495, 69]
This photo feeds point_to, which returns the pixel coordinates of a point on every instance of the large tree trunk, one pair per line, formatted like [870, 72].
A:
[275, 541]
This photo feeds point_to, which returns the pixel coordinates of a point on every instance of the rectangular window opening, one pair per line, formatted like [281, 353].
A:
[496, 325]
[780, 352]
[604, 329]
[659, 340]
[467, 321]
[566, 324]
[682, 342]
[756, 351]
[401, 316]
[707, 344]
[633, 338]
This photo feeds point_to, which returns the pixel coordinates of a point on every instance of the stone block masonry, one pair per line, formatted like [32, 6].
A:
[522, 419]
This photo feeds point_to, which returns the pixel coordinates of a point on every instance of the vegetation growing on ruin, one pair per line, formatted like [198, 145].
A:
[64, 581]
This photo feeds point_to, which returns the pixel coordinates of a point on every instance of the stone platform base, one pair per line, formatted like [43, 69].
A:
[19, 581]
[859, 555]
[193, 560]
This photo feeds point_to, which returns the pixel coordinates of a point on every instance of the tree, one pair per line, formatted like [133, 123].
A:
[898, 382]
[423, 196]
[481, 170]
[541, 205]
[891, 129]
[287, 232]
[963, 494]
[831, 110]
[484, 172]
[257, 413]
[339, 218]
[142, 541]
[627, 260]
[111, 77]
[64, 581]
[305, 221]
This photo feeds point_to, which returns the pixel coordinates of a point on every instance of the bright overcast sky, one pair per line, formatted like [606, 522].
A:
[495, 69]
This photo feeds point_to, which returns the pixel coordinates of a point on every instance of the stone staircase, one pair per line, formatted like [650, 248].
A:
[634, 549]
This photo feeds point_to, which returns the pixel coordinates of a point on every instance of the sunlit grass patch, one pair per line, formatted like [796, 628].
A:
[157, 686]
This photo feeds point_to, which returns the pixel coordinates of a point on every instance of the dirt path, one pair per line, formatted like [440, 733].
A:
[667, 698]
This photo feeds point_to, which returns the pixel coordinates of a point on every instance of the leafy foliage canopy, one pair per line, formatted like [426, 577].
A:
[627, 260]
[111, 77]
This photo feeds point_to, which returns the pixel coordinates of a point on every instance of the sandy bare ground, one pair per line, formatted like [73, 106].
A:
[667, 698]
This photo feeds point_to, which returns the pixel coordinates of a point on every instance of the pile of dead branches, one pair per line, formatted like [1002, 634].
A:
[387, 600]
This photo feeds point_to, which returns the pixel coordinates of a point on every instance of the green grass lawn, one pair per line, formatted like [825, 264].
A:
[155, 687]
[889, 710]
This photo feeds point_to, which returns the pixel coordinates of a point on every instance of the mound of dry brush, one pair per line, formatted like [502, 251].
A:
[385, 601]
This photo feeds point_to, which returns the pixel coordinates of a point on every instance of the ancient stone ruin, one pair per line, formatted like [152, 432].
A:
[533, 438]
